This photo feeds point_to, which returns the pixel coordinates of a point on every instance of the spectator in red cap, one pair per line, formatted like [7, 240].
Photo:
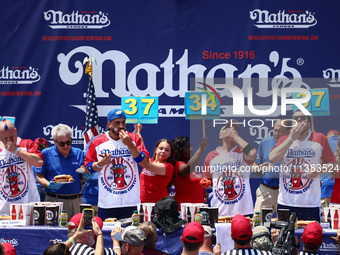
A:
[86, 242]
[192, 238]
[241, 233]
[311, 238]
[42, 144]
[8, 249]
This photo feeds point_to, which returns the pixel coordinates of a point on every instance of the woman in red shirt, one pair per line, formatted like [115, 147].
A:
[186, 182]
[157, 172]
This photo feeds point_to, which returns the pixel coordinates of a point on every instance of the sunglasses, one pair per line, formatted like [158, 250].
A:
[62, 144]
[301, 117]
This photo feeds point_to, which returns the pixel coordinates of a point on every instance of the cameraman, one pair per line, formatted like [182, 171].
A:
[295, 250]
[261, 239]
[311, 239]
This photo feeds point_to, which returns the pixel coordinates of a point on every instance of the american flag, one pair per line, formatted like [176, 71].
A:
[91, 118]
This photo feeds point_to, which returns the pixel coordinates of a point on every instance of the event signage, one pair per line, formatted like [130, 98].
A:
[140, 109]
[201, 105]
[318, 105]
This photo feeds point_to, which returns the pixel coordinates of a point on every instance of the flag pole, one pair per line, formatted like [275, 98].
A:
[91, 113]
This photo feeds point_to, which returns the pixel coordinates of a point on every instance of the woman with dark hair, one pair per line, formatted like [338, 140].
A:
[186, 179]
[57, 249]
[157, 172]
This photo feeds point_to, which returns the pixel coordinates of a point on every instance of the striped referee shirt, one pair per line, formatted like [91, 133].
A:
[248, 251]
[83, 249]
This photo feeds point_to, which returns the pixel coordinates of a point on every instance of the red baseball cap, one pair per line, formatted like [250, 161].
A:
[9, 249]
[240, 227]
[312, 235]
[193, 232]
[41, 140]
[77, 217]
[333, 131]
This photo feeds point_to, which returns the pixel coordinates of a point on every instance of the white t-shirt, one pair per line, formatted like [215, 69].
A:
[17, 180]
[230, 182]
[118, 182]
[297, 189]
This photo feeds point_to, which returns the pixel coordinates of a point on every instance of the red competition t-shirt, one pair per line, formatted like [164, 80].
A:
[154, 187]
[188, 188]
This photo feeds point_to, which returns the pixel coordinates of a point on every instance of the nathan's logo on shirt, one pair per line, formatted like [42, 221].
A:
[119, 177]
[230, 188]
[14, 183]
[306, 153]
[117, 152]
[297, 180]
[76, 20]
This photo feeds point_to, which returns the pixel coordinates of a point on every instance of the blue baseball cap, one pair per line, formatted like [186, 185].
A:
[115, 114]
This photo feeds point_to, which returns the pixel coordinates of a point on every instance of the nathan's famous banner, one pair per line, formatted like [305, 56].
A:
[163, 49]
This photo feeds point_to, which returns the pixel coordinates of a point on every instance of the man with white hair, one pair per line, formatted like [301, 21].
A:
[17, 156]
[59, 159]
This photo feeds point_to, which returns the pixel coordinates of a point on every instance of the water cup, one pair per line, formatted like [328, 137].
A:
[51, 215]
[148, 210]
[283, 214]
[267, 214]
[26, 213]
[213, 215]
[39, 214]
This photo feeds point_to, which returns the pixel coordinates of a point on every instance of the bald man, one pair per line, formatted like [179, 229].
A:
[17, 156]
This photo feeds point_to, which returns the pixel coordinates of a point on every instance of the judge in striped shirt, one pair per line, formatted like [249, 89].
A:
[241, 234]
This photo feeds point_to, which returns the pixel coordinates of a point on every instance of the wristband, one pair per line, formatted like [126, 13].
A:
[72, 240]
[100, 234]
[140, 157]
[247, 149]
[17, 149]
[290, 139]
[100, 167]
[90, 168]
[116, 247]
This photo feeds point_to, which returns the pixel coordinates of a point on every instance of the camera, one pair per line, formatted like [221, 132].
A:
[285, 242]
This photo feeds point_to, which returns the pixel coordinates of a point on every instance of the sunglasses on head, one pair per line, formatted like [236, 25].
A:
[58, 242]
[301, 117]
[62, 144]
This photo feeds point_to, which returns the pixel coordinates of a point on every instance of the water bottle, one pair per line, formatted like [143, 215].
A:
[256, 219]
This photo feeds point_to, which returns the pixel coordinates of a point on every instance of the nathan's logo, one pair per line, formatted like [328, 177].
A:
[119, 177]
[281, 19]
[334, 75]
[230, 187]
[76, 20]
[306, 153]
[127, 83]
[18, 75]
[297, 179]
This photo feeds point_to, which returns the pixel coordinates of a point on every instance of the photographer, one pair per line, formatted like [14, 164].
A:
[261, 239]
[283, 236]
